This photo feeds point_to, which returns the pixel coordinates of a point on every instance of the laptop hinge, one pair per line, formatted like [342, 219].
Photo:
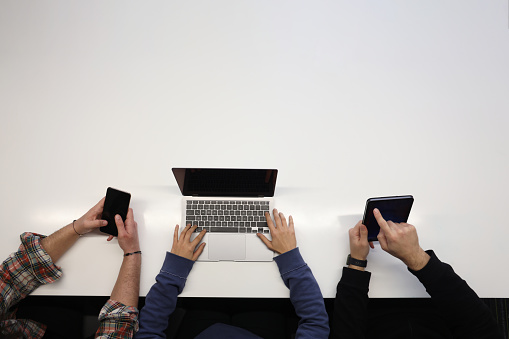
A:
[261, 196]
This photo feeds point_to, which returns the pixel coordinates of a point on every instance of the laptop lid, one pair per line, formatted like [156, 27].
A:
[226, 182]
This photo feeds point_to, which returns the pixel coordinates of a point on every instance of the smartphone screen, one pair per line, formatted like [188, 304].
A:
[116, 202]
[396, 209]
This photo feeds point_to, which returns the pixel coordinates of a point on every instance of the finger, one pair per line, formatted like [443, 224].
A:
[393, 227]
[198, 252]
[356, 230]
[270, 223]
[351, 233]
[190, 232]
[96, 223]
[184, 232]
[363, 232]
[381, 221]
[131, 226]
[176, 235]
[198, 238]
[120, 224]
[110, 238]
[371, 244]
[283, 220]
[290, 219]
[277, 218]
[130, 217]
[265, 241]
[98, 208]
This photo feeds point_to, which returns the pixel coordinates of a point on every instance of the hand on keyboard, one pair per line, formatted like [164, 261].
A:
[185, 248]
[283, 234]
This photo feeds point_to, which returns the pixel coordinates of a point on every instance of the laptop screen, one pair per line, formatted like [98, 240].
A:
[226, 182]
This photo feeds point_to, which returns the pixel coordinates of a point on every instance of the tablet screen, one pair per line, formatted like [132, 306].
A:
[396, 209]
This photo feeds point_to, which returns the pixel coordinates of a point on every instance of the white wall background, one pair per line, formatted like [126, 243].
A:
[348, 99]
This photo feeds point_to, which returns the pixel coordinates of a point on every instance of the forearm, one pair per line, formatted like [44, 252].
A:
[162, 298]
[59, 242]
[25, 270]
[309, 306]
[127, 286]
[305, 295]
[466, 314]
[351, 305]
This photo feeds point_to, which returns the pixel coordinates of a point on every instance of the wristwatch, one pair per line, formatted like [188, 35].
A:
[356, 262]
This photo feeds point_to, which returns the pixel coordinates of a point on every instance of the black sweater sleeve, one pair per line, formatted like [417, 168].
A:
[351, 305]
[466, 314]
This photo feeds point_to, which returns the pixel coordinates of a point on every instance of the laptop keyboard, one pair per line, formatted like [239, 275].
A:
[231, 216]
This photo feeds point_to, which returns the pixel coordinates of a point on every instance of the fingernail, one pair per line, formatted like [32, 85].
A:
[104, 223]
[375, 210]
[117, 217]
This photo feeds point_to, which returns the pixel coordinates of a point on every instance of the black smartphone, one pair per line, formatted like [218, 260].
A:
[116, 202]
[396, 209]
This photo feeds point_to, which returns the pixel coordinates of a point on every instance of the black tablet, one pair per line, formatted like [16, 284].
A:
[396, 209]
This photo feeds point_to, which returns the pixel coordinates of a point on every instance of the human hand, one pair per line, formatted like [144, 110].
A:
[283, 235]
[127, 233]
[401, 241]
[185, 248]
[91, 220]
[359, 245]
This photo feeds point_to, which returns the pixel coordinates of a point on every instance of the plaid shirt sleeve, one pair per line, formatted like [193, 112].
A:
[117, 321]
[21, 273]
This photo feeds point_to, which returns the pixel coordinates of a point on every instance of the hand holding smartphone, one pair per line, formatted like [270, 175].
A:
[116, 202]
[395, 208]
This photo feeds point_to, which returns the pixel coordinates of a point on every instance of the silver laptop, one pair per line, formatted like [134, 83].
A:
[230, 204]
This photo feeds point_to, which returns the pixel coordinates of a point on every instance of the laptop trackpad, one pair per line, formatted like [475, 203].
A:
[227, 246]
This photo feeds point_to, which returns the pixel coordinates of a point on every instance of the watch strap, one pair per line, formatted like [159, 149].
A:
[356, 262]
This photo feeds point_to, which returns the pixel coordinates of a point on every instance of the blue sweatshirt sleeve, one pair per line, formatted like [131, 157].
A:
[305, 295]
[161, 300]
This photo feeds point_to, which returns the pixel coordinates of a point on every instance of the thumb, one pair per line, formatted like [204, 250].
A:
[120, 224]
[383, 240]
[265, 241]
[97, 223]
[197, 253]
[364, 232]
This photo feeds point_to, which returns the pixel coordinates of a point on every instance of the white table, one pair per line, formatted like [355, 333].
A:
[348, 100]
